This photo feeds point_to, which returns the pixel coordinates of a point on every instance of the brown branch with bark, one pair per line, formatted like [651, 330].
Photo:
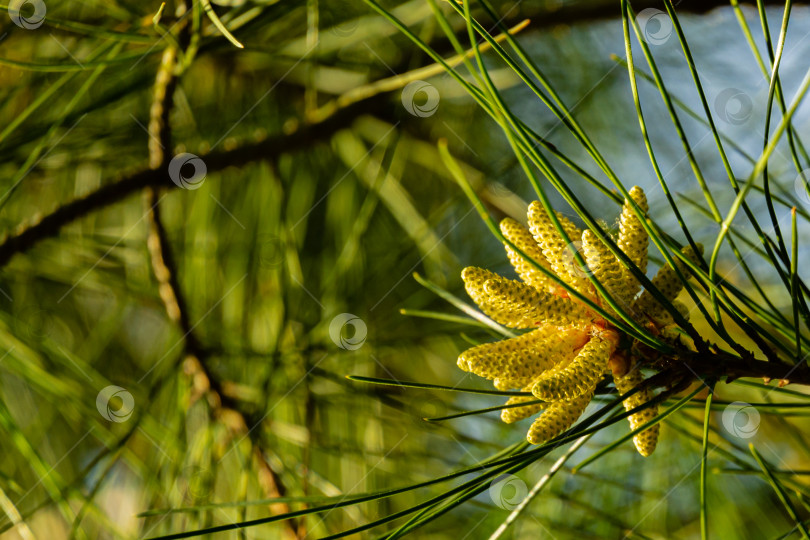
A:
[205, 384]
[25, 237]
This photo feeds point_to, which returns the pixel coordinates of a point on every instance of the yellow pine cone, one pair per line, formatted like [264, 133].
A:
[557, 417]
[580, 376]
[668, 282]
[554, 248]
[607, 269]
[663, 318]
[646, 440]
[524, 357]
[569, 349]
[507, 384]
[523, 239]
[633, 239]
[514, 414]
[517, 305]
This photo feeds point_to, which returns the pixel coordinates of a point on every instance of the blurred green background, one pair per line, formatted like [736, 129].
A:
[270, 252]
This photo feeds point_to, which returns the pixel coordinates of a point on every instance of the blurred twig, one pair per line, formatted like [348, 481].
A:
[204, 382]
[268, 149]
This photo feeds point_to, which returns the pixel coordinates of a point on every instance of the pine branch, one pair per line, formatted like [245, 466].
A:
[205, 383]
[25, 237]
[733, 367]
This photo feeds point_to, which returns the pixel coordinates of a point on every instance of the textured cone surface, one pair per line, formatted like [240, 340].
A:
[668, 282]
[523, 239]
[512, 297]
[506, 384]
[554, 247]
[661, 317]
[521, 310]
[525, 357]
[580, 376]
[633, 239]
[645, 441]
[519, 413]
[517, 305]
[558, 416]
[607, 269]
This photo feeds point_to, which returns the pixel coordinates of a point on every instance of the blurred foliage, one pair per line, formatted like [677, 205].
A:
[271, 248]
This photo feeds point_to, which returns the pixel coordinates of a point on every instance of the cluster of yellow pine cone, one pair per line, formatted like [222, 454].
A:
[570, 347]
